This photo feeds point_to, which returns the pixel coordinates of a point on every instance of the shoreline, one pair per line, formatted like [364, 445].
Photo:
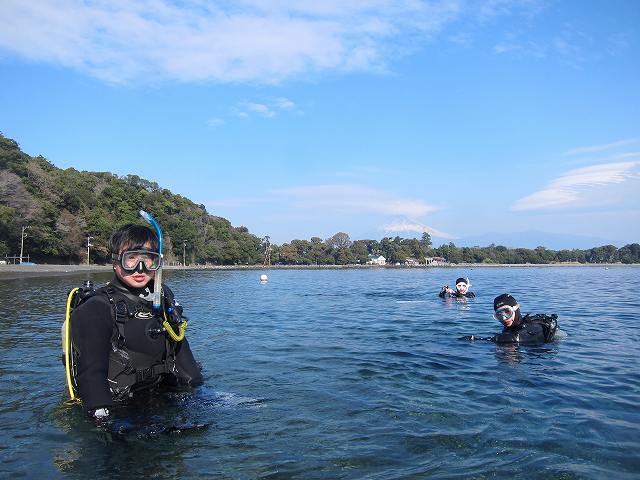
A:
[9, 272]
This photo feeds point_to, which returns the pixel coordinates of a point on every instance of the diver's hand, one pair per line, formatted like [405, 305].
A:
[100, 416]
[110, 423]
[475, 338]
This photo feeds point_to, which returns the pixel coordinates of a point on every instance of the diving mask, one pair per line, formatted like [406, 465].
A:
[142, 260]
[505, 312]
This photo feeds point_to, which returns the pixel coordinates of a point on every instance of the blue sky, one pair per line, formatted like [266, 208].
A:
[516, 123]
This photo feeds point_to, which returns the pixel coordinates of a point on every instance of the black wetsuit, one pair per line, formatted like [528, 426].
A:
[456, 294]
[120, 348]
[532, 329]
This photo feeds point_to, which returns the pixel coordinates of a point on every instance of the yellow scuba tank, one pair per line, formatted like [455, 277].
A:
[76, 295]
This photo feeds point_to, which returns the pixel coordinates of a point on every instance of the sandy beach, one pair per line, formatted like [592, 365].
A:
[24, 271]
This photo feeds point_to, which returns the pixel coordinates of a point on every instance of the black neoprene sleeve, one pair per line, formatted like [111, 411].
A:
[92, 328]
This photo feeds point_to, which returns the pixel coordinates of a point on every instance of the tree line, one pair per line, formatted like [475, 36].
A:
[340, 250]
[65, 208]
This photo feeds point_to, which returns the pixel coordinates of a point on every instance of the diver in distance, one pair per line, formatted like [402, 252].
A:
[518, 329]
[127, 336]
[461, 291]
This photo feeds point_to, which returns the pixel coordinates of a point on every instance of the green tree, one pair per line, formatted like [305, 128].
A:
[360, 252]
[425, 243]
[288, 254]
[339, 240]
[629, 253]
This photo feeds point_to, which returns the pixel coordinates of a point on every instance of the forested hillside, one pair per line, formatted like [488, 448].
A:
[62, 207]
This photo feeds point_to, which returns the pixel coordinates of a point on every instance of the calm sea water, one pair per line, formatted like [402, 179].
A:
[346, 374]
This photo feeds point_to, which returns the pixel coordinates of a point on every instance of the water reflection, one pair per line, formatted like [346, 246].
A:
[148, 428]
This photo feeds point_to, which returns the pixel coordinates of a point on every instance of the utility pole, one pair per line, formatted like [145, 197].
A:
[89, 244]
[267, 251]
[22, 237]
[184, 253]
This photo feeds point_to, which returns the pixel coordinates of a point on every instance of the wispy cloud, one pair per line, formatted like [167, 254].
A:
[268, 109]
[258, 41]
[409, 227]
[626, 156]
[355, 199]
[214, 122]
[490, 9]
[618, 43]
[574, 46]
[525, 48]
[572, 188]
[284, 103]
[569, 44]
[599, 148]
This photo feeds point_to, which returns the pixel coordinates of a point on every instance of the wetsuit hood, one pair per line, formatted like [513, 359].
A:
[508, 299]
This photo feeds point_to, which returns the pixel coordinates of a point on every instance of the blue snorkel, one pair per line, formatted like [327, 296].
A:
[157, 282]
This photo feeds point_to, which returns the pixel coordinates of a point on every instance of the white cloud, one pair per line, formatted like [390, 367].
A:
[573, 188]
[264, 41]
[526, 48]
[599, 148]
[626, 156]
[284, 103]
[403, 227]
[462, 39]
[259, 108]
[355, 199]
[215, 122]
[270, 109]
[490, 9]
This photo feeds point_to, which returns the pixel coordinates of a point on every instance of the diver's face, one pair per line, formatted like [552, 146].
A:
[507, 322]
[136, 279]
[462, 287]
[506, 315]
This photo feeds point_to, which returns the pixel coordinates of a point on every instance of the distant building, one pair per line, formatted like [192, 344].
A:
[411, 262]
[435, 261]
[376, 260]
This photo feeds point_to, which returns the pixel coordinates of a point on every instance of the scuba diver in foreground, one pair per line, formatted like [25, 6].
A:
[529, 329]
[462, 290]
[127, 336]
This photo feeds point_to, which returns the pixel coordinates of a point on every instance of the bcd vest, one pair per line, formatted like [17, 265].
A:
[538, 328]
[142, 353]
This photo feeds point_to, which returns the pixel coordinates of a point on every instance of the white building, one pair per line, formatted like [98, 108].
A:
[376, 260]
[435, 261]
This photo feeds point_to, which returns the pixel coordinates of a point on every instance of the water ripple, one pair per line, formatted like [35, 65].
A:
[345, 375]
